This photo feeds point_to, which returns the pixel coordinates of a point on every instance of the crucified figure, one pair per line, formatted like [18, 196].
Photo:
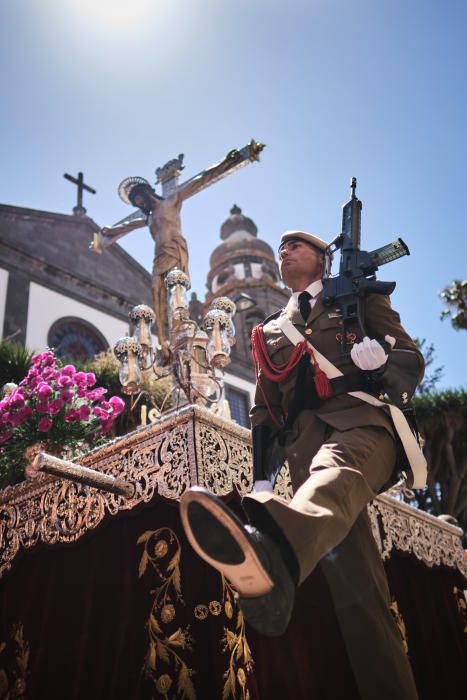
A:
[162, 215]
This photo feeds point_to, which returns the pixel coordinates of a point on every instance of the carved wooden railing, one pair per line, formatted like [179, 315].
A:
[186, 447]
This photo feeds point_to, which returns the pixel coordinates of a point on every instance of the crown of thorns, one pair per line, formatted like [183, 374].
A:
[127, 185]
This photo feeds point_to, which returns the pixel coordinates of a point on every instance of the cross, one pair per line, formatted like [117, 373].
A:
[162, 216]
[79, 210]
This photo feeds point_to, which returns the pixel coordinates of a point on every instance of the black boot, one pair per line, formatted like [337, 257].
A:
[250, 558]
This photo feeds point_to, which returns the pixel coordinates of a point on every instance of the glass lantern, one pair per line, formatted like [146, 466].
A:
[228, 306]
[178, 284]
[129, 353]
[216, 323]
[143, 317]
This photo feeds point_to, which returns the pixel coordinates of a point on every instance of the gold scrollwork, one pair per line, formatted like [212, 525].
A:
[162, 551]
[400, 624]
[13, 682]
[459, 595]
[201, 612]
[235, 644]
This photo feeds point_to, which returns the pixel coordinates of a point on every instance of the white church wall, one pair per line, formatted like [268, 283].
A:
[3, 288]
[47, 306]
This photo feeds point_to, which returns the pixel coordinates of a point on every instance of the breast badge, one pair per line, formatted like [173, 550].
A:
[350, 337]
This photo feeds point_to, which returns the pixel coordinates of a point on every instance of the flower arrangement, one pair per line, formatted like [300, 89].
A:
[56, 406]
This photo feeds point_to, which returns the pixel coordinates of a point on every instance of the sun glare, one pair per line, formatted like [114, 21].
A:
[117, 12]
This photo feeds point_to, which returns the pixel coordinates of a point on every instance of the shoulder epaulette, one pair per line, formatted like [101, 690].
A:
[276, 314]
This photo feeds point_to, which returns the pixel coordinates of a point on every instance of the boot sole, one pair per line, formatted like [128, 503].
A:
[219, 538]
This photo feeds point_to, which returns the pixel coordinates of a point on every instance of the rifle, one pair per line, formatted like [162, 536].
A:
[357, 269]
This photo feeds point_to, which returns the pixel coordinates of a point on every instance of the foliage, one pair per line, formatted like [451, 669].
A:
[455, 296]
[433, 376]
[15, 361]
[442, 420]
[56, 406]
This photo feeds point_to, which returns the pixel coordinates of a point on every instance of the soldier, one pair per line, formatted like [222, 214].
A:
[341, 452]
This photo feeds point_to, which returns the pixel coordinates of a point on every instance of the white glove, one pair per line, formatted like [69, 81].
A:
[369, 354]
[261, 485]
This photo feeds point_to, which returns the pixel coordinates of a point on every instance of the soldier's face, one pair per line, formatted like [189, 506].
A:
[300, 262]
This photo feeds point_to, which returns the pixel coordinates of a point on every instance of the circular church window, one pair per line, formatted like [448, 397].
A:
[75, 339]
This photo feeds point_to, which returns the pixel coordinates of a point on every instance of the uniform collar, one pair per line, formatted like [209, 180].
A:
[294, 315]
[313, 289]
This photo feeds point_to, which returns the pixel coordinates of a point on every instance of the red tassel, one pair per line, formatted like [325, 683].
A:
[322, 384]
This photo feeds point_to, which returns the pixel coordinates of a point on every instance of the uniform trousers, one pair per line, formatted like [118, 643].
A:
[326, 522]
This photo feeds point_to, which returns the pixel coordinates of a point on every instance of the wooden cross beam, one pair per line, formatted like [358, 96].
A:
[79, 210]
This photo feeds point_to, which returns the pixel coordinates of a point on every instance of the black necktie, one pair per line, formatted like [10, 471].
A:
[304, 304]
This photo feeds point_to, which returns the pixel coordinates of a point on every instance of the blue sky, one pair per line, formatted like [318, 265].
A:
[335, 89]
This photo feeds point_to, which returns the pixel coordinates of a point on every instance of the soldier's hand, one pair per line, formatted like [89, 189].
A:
[369, 354]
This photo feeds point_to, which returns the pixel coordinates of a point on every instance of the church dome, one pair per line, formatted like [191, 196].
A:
[237, 222]
[242, 258]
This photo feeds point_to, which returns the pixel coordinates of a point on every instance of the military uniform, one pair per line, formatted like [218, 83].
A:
[340, 455]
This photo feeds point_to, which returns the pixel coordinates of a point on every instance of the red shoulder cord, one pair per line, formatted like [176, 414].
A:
[277, 373]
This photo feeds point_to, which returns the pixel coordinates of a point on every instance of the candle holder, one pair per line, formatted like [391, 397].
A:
[197, 355]
[129, 353]
[143, 318]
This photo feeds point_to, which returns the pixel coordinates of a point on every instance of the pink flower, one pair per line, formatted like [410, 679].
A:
[68, 370]
[96, 394]
[44, 392]
[105, 427]
[55, 406]
[17, 399]
[71, 416]
[65, 381]
[117, 405]
[42, 407]
[50, 374]
[80, 378]
[25, 413]
[15, 419]
[67, 396]
[81, 392]
[100, 413]
[90, 378]
[44, 425]
[45, 359]
[84, 412]
[6, 415]
[32, 383]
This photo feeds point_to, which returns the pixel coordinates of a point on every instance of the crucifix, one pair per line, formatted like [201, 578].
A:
[79, 210]
[161, 213]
